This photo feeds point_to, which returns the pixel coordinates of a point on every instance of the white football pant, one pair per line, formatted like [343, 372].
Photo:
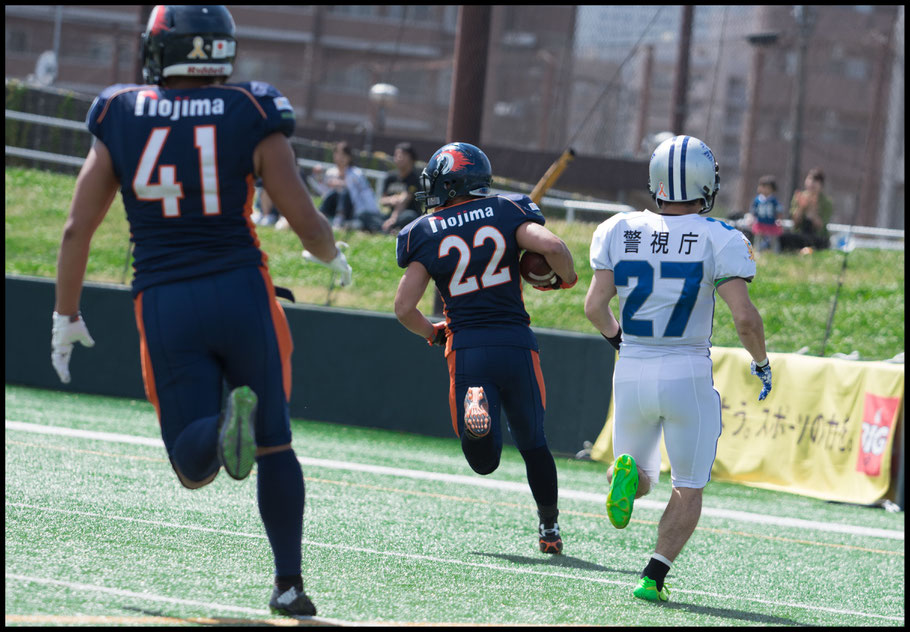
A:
[674, 393]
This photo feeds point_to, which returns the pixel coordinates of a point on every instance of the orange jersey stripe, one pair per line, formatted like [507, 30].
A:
[543, 389]
[453, 405]
[148, 376]
[248, 216]
[282, 332]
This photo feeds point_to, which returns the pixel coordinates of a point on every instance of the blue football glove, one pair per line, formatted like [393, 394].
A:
[763, 372]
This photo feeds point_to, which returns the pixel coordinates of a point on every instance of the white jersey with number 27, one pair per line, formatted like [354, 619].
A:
[666, 268]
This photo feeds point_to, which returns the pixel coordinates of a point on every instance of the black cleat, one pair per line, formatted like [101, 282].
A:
[550, 540]
[291, 602]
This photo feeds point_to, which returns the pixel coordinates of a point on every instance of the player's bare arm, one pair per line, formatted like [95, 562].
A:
[597, 303]
[746, 318]
[275, 164]
[537, 238]
[96, 187]
[411, 288]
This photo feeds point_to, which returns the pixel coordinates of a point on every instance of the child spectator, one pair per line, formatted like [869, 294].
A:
[767, 212]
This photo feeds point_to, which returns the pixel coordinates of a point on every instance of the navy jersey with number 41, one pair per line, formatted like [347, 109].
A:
[471, 252]
[184, 159]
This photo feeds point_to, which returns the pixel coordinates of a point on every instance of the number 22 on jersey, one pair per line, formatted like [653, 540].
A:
[491, 276]
[168, 189]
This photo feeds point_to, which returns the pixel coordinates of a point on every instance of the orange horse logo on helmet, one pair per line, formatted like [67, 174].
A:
[451, 158]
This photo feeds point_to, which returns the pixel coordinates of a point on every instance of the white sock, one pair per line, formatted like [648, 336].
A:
[661, 558]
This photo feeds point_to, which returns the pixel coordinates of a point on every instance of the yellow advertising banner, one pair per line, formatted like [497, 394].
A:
[826, 430]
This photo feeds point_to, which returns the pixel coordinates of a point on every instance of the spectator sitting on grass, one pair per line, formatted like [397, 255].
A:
[399, 188]
[349, 201]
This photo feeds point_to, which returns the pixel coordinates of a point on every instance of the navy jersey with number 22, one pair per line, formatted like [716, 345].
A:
[471, 253]
[184, 159]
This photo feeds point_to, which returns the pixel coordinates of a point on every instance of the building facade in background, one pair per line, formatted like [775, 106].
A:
[548, 72]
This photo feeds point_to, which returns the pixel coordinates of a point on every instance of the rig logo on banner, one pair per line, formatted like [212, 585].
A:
[878, 418]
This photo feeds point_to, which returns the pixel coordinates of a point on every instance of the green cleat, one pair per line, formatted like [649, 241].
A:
[236, 438]
[622, 491]
[647, 589]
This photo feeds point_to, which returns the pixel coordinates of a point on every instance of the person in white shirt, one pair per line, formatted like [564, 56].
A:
[665, 267]
[348, 198]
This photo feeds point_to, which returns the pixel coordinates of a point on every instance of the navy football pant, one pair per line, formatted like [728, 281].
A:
[226, 328]
[201, 332]
[512, 380]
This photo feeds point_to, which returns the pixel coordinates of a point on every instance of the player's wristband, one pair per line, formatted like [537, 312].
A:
[764, 364]
[614, 340]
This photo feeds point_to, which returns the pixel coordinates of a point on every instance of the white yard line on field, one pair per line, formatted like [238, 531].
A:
[208, 606]
[476, 481]
[409, 556]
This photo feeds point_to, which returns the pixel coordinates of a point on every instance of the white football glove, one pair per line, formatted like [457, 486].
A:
[338, 265]
[63, 334]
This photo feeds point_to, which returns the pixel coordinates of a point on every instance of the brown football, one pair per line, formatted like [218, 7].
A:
[535, 269]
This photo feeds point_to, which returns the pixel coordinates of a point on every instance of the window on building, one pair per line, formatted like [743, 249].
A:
[355, 10]
[353, 79]
[395, 11]
[421, 13]
[790, 64]
[254, 66]
[449, 18]
[736, 90]
[16, 40]
[444, 86]
[856, 68]
[412, 83]
[100, 48]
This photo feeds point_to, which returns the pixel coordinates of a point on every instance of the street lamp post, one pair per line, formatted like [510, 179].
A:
[382, 95]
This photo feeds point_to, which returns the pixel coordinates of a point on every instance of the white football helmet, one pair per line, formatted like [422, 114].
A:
[683, 169]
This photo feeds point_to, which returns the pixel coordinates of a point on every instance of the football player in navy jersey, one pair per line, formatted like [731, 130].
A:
[469, 245]
[184, 150]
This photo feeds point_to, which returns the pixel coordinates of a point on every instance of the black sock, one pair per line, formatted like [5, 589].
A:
[281, 493]
[657, 571]
[548, 515]
[284, 582]
[541, 471]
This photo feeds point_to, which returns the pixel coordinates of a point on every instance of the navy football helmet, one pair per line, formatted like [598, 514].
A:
[455, 169]
[188, 41]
